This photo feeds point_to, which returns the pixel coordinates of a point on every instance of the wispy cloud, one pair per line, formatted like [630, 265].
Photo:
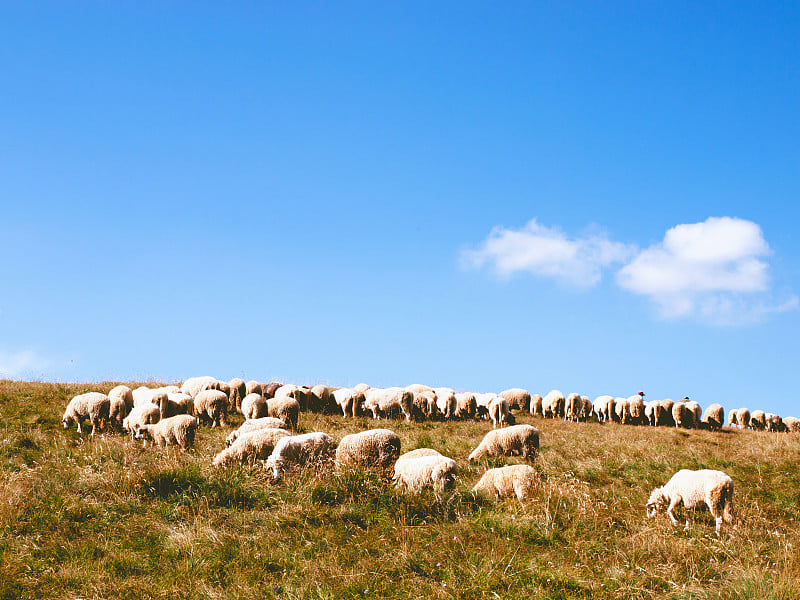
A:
[21, 363]
[715, 271]
[547, 252]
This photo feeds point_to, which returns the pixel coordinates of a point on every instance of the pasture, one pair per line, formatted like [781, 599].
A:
[104, 518]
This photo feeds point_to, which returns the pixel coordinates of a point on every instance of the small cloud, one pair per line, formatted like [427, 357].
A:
[547, 252]
[22, 363]
[714, 270]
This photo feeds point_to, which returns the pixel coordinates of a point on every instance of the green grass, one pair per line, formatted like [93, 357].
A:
[104, 518]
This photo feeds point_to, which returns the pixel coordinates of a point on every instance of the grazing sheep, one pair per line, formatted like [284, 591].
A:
[604, 408]
[144, 414]
[424, 407]
[238, 392]
[375, 448]
[124, 393]
[666, 419]
[268, 389]
[195, 385]
[573, 406]
[586, 410]
[142, 395]
[466, 406]
[385, 401]
[349, 400]
[774, 422]
[291, 451]
[695, 489]
[254, 407]
[713, 417]
[446, 402]
[173, 431]
[652, 412]
[173, 404]
[482, 402]
[739, 417]
[250, 447]
[412, 474]
[361, 387]
[697, 412]
[253, 387]
[622, 410]
[537, 405]
[499, 413]
[682, 415]
[92, 405]
[636, 408]
[522, 440]
[509, 481]
[117, 411]
[553, 404]
[255, 425]
[321, 401]
[285, 409]
[792, 424]
[211, 406]
[419, 388]
[758, 420]
[517, 398]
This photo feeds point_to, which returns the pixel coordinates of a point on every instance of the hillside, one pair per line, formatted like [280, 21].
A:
[104, 518]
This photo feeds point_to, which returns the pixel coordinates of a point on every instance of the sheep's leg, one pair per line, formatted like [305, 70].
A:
[672, 504]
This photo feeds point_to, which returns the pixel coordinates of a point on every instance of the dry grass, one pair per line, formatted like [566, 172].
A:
[103, 518]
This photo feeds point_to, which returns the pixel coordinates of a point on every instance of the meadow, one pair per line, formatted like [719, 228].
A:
[102, 517]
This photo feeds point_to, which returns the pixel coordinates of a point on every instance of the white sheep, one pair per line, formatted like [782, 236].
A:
[173, 431]
[466, 406]
[291, 451]
[254, 406]
[144, 414]
[376, 448]
[361, 387]
[517, 398]
[522, 440]
[586, 410]
[666, 412]
[419, 388]
[713, 417]
[537, 405]
[195, 385]
[622, 410]
[653, 412]
[211, 406]
[142, 395]
[482, 401]
[124, 393]
[255, 425]
[499, 413]
[697, 412]
[414, 473]
[117, 411]
[285, 409]
[739, 417]
[572, 407]
[758, 420]
[774, 422]
[424, 406]
[348, 400]
[91, 405]
[250, 447]
[446, 402]
[682, 415]
[238, 392]
[695, 489]
[321, 401]
[792, 424]
[253, 387]
[604, 408]
[385, 401]
[174, 403]
[553, 404]
[508, 481]
[636, 408]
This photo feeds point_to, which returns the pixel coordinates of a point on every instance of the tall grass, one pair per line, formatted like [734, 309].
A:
[103, 518]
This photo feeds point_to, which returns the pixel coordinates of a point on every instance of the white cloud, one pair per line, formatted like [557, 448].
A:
[26, 362]
[714, 270]
[547, 252]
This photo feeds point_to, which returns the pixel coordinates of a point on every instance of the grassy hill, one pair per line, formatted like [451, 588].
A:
[104, 518]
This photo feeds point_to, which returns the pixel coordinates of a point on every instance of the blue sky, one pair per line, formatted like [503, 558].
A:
[590, 197]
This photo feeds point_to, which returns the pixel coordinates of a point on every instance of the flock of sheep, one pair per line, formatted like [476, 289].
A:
[171, 415]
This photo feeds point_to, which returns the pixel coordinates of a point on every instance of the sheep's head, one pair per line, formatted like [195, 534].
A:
[142, 432]
[658, 502]
[66, 421]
